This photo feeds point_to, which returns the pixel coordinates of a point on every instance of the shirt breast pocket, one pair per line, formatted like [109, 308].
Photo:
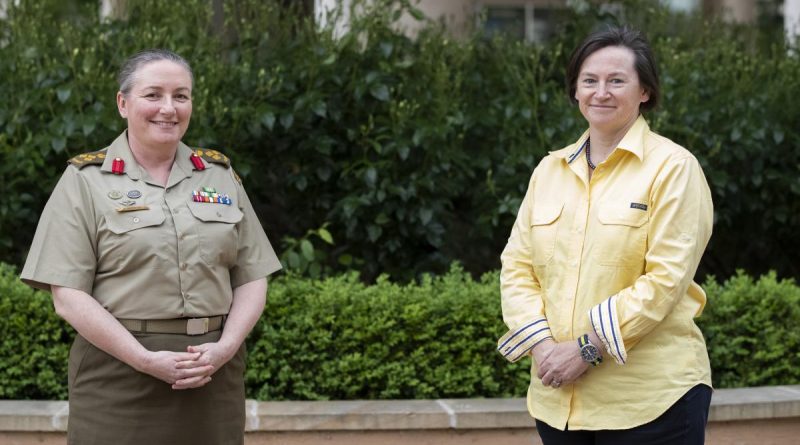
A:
[126, 222]
[622, 235]
[132, 238]
[544, 225]
[216, 231]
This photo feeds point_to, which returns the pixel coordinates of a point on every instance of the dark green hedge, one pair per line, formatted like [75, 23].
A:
[341, 339]
[415, 152]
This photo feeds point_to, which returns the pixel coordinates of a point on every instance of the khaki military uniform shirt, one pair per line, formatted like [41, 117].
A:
[145, 251]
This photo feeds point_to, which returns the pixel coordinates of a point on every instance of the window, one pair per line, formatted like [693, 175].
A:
[524, 19]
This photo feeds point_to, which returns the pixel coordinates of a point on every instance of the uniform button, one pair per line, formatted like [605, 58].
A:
[183, 266]
[181, 236]
[136, 220]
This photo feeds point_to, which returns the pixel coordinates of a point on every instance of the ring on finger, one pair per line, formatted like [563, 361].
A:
[556, 383]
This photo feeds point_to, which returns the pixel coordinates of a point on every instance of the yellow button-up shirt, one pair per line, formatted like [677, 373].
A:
[616, 254]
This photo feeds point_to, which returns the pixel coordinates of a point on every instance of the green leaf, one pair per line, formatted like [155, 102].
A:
[325, 235]
[425, 216]
[416, 13]
[320, 109]
[63, 94]
[371, 176]
[307, 249]
[58, 144]
[380, 92]
[287, 119]
[268, 119]
[374, 232]
[403, 151]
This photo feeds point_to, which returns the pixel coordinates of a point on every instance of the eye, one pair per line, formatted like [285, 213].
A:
[151, 96]
[182, 97]
[617, 81]
[589, 81]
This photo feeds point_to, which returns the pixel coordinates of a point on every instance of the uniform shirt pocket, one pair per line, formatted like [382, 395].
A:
[124, 222]
[217, 232]
[544, 225]
[622, 234]
[131, 240]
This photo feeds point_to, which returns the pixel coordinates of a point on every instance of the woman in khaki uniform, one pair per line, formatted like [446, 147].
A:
[154, 255]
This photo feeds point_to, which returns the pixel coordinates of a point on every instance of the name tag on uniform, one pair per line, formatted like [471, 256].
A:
[132, 208]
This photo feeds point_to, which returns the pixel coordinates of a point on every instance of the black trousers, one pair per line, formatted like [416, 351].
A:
[684, 423]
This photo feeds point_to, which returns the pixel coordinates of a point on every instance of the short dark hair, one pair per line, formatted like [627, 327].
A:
[132, 64]
[627, 37]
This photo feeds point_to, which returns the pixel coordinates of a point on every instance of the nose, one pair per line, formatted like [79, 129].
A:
[602, 90]
[168, 105]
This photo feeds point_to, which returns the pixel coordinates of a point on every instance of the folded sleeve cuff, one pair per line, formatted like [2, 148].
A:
[606, 326]
[516, 343]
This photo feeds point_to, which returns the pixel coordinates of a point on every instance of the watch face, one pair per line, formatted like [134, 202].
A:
[589, 353]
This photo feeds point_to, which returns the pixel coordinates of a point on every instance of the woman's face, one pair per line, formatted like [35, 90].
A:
[608, 89]
[159, 104]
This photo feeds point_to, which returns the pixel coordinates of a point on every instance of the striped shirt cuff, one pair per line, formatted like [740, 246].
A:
[518, 342]
[606, 326]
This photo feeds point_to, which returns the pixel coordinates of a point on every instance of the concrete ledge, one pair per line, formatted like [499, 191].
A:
[727, 405]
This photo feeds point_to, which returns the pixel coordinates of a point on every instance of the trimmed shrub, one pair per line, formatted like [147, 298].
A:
[751, 327]
[34, 342]
[338, 338]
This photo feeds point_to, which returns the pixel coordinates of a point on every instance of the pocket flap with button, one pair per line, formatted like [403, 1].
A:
[210, 212]
[123, 222]
[620, 214]
[545, 214]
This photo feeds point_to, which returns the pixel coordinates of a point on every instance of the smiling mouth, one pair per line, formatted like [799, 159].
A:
[164, 124]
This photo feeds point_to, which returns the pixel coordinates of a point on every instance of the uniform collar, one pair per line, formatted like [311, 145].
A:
[633, 142]
[182, 167]
[120, 149]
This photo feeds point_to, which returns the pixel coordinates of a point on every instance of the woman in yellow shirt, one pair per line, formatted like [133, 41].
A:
[597, 276]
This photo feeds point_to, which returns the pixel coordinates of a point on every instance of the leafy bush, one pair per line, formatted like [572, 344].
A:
[34, 342]
[751, 330]
[415, 152]
[338, 338]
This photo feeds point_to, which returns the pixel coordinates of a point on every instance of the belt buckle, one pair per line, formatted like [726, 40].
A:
[196, 326]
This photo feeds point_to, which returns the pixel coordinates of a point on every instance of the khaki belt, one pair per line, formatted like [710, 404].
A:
[188, 326]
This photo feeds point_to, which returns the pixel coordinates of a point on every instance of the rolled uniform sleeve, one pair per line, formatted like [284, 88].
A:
[520, 290]
[255, 257]
[679, 230]
[63, 248]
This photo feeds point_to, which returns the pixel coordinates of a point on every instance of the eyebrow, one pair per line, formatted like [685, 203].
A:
[613, 73]
[156, 87]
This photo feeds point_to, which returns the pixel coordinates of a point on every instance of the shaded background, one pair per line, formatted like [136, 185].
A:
[373, 151]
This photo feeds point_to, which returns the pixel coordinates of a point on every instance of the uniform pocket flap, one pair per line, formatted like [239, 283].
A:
[620, 214]
[211, 212]
[123, 222]
[545, 214]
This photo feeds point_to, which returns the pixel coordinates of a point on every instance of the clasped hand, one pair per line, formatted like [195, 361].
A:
[190, 369]
[558, 363]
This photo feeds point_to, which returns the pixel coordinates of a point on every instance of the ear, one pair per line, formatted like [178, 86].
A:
[122, 105]
[645, 96]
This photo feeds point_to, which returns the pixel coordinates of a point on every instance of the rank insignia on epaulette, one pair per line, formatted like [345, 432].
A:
[91, 158]
[213, 156]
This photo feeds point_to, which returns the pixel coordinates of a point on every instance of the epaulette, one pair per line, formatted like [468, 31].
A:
[91, 158]
[213, 156]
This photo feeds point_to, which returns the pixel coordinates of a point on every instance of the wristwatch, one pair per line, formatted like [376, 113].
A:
[589, 352]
